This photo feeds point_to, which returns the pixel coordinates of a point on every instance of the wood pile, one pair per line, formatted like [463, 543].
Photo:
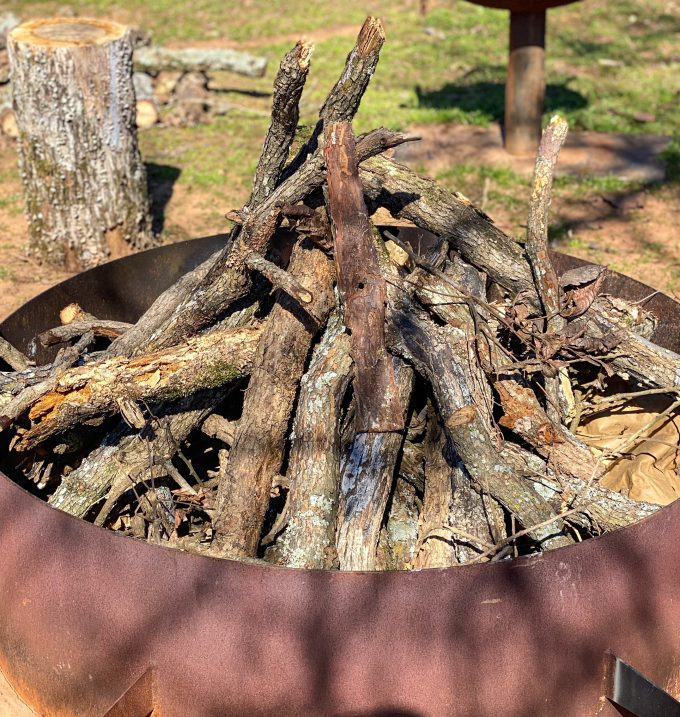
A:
[347, 402]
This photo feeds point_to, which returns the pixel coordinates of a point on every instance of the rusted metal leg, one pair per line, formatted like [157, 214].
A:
[525, 86]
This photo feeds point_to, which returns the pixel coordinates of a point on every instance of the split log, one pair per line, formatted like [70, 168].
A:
[362, 286]
[195, 59]
[81, 393]
[366, 478]
[258, 448]
[83, 176]
[288, 86]
[308, 540]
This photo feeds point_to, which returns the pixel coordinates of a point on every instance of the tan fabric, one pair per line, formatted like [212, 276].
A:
[650, 474]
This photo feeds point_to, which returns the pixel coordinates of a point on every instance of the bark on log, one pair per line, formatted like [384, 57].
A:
[184, 310]
[366, 478]
[450, 504]
[308, 540]
[81, 393]
[448, 215]
[83, 176]
[257, 452]
[12, 356]
[440, 354]
[288, 86]
[398, 539]
[197, 59]
[362, 286]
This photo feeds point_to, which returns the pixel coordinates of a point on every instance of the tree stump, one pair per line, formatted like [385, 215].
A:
[84, 180]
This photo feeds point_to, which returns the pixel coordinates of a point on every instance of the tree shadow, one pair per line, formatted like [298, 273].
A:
[488, 98]
[161, 179]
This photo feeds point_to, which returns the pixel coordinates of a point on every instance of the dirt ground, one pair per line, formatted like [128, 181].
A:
[633, 230]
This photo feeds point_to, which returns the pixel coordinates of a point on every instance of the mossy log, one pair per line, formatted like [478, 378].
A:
[84, 179]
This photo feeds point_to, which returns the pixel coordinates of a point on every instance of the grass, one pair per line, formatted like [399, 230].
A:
[606, 63]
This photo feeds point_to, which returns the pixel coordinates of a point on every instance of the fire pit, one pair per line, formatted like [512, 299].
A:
[93, 624]
[525, 85]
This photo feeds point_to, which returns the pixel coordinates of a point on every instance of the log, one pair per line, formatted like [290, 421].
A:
[366, 478]
[397, 544]
[448, 215]
[195, 59]
[97, 388]
[12, 356]
[288, 86]
[343, 100]
[257, 451]
[308, 540]
[83, 176]
[362, 286]
[440, 355]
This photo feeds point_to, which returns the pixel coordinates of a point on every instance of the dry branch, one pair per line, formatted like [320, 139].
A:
[257, 451]
[308, 540]
[78, 394]
[288, 86]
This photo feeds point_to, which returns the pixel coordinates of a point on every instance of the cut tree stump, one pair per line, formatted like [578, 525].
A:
[84, 180]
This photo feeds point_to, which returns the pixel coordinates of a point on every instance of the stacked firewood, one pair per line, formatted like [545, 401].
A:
[406, 407]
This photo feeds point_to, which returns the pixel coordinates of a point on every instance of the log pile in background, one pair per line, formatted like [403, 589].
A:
[402, 409]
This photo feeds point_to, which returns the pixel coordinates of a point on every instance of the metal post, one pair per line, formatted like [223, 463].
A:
[525, 86]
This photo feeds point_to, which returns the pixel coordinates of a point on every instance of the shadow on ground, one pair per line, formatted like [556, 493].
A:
[161, 179]
[489, 98]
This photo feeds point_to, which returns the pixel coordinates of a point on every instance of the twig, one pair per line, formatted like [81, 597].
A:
[647, 427]
[13, 356]
[279, 278]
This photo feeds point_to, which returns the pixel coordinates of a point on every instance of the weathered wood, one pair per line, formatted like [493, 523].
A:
[399, 536]
[440, 354]
[198, 59]
[448, 215]
[184, 312]
[12, 356]
[99, 327]
[343, 100]
[83, 176]
[279, 278]
[597, 509]
[288, 86]
[220, 428]
[362, 286]
[203, 362]
[308, 540]
[257, 451]
[536, 247]
[367, 474]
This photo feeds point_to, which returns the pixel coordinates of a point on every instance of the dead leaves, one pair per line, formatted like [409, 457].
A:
[585, 284]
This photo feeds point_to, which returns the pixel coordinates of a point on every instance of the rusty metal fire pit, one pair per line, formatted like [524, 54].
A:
[93, 623]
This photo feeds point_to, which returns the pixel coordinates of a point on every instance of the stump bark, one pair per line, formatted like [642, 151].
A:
[83, 176]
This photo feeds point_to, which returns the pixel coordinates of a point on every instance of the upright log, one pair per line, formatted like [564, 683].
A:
[84, 180]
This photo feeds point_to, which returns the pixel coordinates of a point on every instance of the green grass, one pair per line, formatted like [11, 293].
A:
[606, 63]
[6, 274]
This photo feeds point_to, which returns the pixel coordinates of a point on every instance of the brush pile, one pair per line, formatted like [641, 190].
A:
[322, 394]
